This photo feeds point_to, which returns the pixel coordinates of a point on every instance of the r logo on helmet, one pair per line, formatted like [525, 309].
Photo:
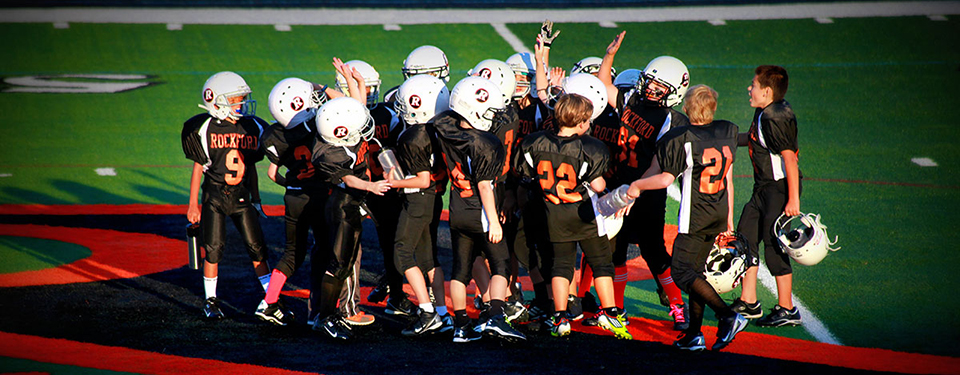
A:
[415, 101]
[340, 132]
[685, 81]
[482, 95]
[297, 103]
[485, 73]
[208, 95]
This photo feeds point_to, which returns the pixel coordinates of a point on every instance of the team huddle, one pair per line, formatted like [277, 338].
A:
[539, 165]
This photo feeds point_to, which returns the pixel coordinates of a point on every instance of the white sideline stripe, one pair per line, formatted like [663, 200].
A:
[381, 16]
[814, 326]
[823, 20]
[937, 17]
[508, 36]
[61, 25]
[717, 22]
[608, 24]
[392, 27]
[924, 162]
[106, 171]
[282, 27]
[174, 26]
[6, 174]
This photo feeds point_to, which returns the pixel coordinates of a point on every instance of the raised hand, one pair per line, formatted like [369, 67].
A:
[615, 44]
[547, 33]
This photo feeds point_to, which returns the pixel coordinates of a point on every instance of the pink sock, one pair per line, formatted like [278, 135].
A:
[277, 279]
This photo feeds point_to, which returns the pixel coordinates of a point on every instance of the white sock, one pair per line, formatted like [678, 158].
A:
[265, 281]
[210, 286]
[428, 307]
[442, 310]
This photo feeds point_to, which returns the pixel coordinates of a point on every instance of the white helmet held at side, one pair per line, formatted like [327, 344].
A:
[477, 100]
[427, 60]
[371, 78]
[500, 74]
[590, 65]
[589, 86]
[420, 98]
[525, 69]
[290, 96]
[727, 262]
[804, 238]
[219, 89]
[671, 74]
[344, 122]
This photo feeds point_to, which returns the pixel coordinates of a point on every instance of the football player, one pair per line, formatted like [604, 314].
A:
[425, 59]
[475, 159]
[224, 144]
[340, 158]
[700, 156]
[567, 163]
[419, 99]
[645, 118]
[773, 151]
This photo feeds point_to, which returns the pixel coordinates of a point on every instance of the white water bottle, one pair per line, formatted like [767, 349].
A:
[614, 201]
[389, 163]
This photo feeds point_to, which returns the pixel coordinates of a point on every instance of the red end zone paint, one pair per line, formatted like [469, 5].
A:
[114, 255]
[72, 353]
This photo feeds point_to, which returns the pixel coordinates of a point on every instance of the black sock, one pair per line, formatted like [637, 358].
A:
[540, 291]
[612, 311]
[496, 307]
[460, 318]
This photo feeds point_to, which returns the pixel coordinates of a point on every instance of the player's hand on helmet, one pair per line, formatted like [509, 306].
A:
[547, 33]
[193, 213]
[792, 208]
[379, 187]
[495, 234]
[615, 44]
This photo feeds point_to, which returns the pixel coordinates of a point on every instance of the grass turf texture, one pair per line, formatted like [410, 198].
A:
[869, 94]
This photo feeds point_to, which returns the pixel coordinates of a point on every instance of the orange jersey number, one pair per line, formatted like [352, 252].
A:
[712, 179]
[564, 178]
[235, 164]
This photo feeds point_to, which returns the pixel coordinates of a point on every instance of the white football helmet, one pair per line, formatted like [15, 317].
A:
[804, 238]
[427, 60]
[344, 122]
[477, 100]
[525, 69]
[291, 96]
[590, 65]
[589, 86]
[628, 78]
[727, 262]
[371, 78]
[500, 74]
[669, 72]
[420, 98]
[219, 89]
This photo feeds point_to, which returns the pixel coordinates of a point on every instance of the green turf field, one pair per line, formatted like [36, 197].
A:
[870, 94]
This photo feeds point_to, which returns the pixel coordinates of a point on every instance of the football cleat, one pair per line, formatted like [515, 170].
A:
[515, 312]
[498, 326]
[380, 292]
[728, 329]
[361, 319]
[400, 306]
[679, 314]
[465, 334]
[447, 321]
[614, 324]
[694, 343]
[589, 303]
[574, 307]
[270, 313]
[780, 316]
[594, 321]
[334, 327]
[749, 311]
[211, 308]
[559, 325]
[426, 322]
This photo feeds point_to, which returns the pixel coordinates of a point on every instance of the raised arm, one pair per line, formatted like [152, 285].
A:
[606, 67]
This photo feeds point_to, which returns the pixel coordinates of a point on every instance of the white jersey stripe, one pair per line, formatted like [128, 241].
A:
[683, 221]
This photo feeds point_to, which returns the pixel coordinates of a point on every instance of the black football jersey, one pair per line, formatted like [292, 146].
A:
[226, 150]
[644, 123]
[418, 150]
[293, 149]
[774, 129]
[562, 165]
[332, 163]
[506, 128]
[470, 155]
[387, 128]
[700, 156]
[606, 128]
[531, 118]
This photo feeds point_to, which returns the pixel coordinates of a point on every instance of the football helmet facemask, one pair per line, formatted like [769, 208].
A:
[591, 65]
[590, 87]
[420, 98]
[427, 60]
[371, 78]
[726, 263]
[500, 74]
[218, 92]
[804, 238]
[525, 70]
[673, 79]
[477, 100]
[291, 96]
[344, 122]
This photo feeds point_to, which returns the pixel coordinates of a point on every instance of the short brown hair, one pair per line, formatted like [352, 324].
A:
[775, 77]
[572, 109]
[700, 104]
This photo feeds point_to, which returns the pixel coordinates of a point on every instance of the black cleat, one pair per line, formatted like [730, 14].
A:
[271, 313]
[780, 316]
[589, 303]
[380, 292]
[694, 343]
[574, 308]
[334, 327]
[728, 329]
[498, 326]
[515, 312]
[465, 334]
[426, 322]
[679, 314]
[749, 311]
[211, 309]
[400, 306]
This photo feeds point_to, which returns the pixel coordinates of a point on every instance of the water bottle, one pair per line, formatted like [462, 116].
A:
[615, 200]
[194, 243]
[389, 163]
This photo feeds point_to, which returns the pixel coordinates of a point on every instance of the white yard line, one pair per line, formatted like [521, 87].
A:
[924, 162]
[511, 39]
[814, 326]
[106, 171]
[340, 16]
